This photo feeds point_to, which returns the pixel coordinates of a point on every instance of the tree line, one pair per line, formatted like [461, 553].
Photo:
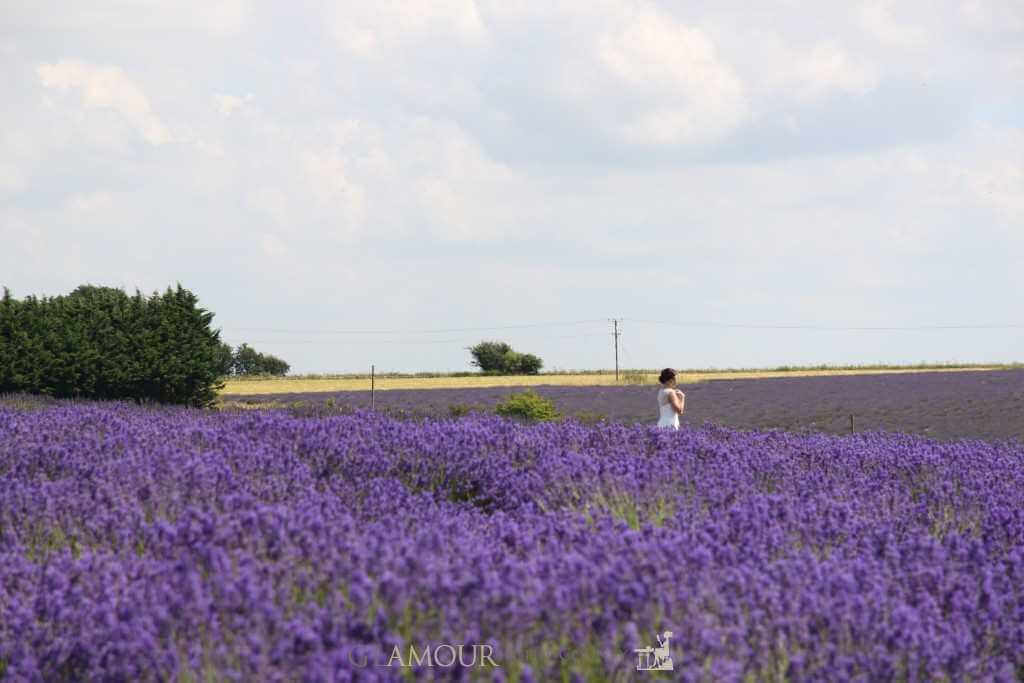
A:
[101, 343]
[246, 360]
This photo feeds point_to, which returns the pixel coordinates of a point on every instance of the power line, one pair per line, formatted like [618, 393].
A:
[677, 323]
[385, 341]
[343, 341]
[616, 332]
[422, 331]
[831, 328]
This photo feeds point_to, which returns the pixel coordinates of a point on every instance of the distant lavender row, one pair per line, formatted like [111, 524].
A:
[940, 405]
[154, 544]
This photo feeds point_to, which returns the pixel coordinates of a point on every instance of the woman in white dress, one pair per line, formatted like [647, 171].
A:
[671, 401]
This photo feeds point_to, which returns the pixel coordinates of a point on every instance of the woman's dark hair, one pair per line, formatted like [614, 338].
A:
[666, 375]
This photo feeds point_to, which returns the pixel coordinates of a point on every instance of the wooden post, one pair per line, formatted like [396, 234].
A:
[851, 424]
[616, 351]
[616, 334]
[371, 388]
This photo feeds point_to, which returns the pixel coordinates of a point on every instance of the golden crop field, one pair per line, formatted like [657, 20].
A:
[285, 385]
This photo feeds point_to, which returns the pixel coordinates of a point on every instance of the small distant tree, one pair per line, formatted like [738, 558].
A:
[249, 361]
[524, 364]
[498, 358]
[489, 356]
[272, 365]
[246, 360]
[225, 358]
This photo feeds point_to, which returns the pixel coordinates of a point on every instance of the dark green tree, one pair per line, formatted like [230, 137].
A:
[9, 307]
[525, 364]
[182, 350]
[498, 358]
[225, 358]
[272, 365]
[248, 361]
[489, 356]
[97, 342]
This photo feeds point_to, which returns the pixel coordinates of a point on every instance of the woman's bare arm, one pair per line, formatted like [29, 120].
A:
[678, 400]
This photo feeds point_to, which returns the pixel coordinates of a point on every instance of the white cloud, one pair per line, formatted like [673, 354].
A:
[228, 104]
[90, 202]
[12, 180]
[107, 87]
[378, 30]
[878, 19]
[829, 67]
[273, 246]
[995, 177]
[467, 195]
[216, 17]
[993, 16]
[650, 79]
[447, 206]
[326, 181]
[698, 94]
[273, 202]
[26, 246]
[652, 51]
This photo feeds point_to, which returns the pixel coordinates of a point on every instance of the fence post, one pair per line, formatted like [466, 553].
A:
[371, 388]
[851, 424]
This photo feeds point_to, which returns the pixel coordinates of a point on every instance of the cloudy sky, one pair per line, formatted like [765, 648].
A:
[390, 182]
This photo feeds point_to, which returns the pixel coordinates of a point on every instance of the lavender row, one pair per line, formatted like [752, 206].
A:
[985, 404]
[154, 544]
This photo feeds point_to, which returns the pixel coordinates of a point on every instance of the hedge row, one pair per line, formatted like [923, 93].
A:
[100, 343]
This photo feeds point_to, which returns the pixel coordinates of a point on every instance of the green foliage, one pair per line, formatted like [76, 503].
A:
[458, 409]
[463, 409]
[100, 343]
[225, 359]
[590, 418]
[498, 358]
[528, 405]
[489, 356]
[248, 361]
[522, 363]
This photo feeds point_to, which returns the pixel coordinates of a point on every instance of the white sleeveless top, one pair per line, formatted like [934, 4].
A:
[668, 418]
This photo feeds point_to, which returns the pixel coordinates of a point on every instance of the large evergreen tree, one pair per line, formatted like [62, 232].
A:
[97, 342]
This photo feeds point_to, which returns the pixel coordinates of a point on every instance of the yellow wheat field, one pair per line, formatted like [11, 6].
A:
[286, 385]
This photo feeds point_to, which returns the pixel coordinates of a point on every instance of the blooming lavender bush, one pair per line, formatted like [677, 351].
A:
[156, 544]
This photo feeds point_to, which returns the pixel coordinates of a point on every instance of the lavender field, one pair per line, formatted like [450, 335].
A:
[985, 404]
[173, 544]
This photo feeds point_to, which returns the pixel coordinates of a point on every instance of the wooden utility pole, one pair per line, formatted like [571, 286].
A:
[371, 387]
[616, 333]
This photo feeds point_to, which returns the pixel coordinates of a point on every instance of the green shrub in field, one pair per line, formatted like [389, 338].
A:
[590, 418]
[528, 405]
[459, 409]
